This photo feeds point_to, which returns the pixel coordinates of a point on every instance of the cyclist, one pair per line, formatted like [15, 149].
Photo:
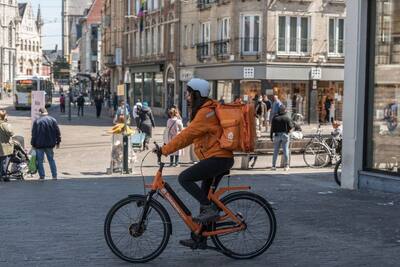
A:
[204, 132]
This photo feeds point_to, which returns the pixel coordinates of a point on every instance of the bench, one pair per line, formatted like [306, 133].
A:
[264, 147]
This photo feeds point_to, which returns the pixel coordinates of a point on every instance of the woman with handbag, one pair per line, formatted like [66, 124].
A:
[174, 127]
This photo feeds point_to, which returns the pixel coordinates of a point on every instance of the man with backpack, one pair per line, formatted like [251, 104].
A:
[281, 126]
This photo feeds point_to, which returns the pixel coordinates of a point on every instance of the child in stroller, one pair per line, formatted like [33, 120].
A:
[16, 165]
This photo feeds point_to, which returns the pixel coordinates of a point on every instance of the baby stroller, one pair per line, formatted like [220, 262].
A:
[17, 165]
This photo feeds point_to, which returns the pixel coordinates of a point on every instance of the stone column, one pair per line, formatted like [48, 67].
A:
[354, 93]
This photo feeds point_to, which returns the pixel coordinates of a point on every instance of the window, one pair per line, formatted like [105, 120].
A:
[150, 5]
[336, 36]
[143, 44]
[154, 36]
[185, 36]
[137, 38]
[172, 37]
[128, 7]
[193, 42]
[155, 4]
[137, 6]
[383, 123]
[149, 45]
[224, 28]
[250, 34]
[128, 46]
[205, 32]
[293, 35]
[161, 32]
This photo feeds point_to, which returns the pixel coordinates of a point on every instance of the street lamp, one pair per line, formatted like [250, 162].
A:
[127, 81]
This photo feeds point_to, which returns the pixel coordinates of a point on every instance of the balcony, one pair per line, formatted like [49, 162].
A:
[221, 49]
[109, 60]
[294, 46]
[203, 51]
[204, 4]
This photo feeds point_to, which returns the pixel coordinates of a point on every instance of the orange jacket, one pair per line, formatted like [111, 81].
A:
[204, 131]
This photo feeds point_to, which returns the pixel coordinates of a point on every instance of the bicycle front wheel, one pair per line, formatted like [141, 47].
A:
[133, 242]
[316, 155]
[260, 230]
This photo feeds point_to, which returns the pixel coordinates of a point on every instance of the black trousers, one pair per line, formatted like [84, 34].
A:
[205, 171]
[80, 110]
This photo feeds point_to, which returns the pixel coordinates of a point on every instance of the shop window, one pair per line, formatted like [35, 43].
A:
[293, 95]
[383, 129]
[336, 36]
[294, 35]
[148, 84]
[158, 91]
[138, 86]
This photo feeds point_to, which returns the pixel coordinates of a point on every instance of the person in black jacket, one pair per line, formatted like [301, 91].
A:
[45, 136]
[281, 126]
[81, 104]
[146, 122]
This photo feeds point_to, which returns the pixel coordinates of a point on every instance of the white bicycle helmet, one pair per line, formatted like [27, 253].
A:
[200, 85]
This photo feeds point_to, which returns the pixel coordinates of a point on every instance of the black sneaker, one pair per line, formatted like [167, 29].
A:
[195, 242]
[207, 214]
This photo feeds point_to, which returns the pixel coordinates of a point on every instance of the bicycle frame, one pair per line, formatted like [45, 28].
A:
[161, 187]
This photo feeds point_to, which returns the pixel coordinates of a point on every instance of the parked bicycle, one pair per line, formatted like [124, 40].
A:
[320, 151]
[137, 228]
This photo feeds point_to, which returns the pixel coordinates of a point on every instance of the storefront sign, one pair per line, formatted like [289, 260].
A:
[316, 73]
[186, 75]
[38, 101]
[121, 90]
[248, 73]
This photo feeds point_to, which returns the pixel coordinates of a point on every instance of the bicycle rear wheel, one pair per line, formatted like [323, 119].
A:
[133, 242]
[316, 155]
[260, 229]
[338, 172]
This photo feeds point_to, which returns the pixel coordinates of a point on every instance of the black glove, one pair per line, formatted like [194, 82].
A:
[158, 151]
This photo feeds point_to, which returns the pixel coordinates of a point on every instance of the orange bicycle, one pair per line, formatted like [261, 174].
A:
[137, 228]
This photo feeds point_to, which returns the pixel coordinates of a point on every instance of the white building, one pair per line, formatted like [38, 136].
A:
[8, 21]
[29, 46]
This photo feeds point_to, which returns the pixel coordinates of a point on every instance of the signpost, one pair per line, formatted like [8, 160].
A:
[38, 101]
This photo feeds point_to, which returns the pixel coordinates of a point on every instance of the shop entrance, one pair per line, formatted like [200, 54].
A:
[330, 101]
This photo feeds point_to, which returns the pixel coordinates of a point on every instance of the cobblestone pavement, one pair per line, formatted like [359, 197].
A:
[86, 145]
[60, 223]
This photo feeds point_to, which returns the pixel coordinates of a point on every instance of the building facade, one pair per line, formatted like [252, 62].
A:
[9, 19]
[292, 49]
[371, 152]
[151, 50]
[112, 41]
[29, 44]
[90, 42]
[72, 12]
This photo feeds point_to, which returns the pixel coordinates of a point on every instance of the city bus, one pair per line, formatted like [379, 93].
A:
[26, 84]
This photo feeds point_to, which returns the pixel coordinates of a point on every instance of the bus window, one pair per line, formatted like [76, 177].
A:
[26, 86]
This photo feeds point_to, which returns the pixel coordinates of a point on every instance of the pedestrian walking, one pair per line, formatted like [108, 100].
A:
[261, 111]
[6, 147]
[115, 103]
[281, 126]
[327, 106]
[146, 122]
[135, 114]
[45, 136]
[332, 110]
[268, 104]
[174, 127]
[98, 102]
[81, 104]
[62, 103]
